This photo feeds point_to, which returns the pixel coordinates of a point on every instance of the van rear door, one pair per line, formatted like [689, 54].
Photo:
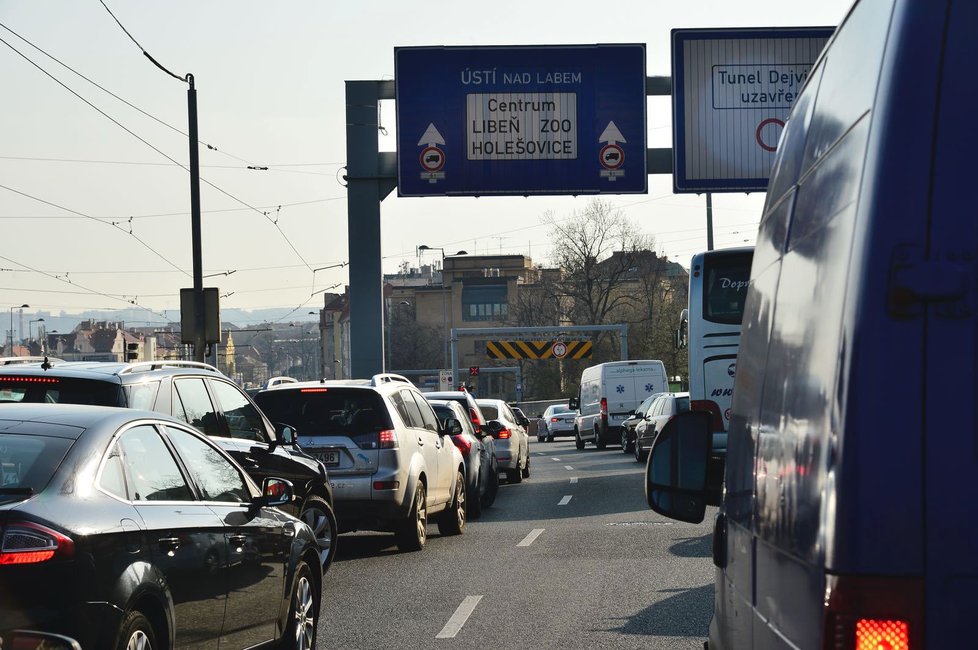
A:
[950, 423]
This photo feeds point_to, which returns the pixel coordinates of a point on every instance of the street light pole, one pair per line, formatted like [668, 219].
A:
[10, 350]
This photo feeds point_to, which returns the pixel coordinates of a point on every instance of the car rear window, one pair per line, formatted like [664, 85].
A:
[27, 463]
[61, 390]
[326, 411]
[490, 412]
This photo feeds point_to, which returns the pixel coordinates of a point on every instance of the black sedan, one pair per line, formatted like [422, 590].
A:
[129, 529]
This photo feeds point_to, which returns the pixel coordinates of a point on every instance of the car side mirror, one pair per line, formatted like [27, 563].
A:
[452, 427]
[286, 433]
[495, 426]
[574, 403]
[275, 492]
[676, 473]
[33, 639]
[523, 422]
[540, 416]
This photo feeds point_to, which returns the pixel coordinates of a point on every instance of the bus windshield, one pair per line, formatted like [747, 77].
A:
[725, 279]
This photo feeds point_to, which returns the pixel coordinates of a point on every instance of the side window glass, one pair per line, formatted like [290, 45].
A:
[143, 395]
[428, 417]
[402, 411]
[216, 477]
[243, 418]
[193, 405]
[113, 479]
[414, 418]
[151, 468]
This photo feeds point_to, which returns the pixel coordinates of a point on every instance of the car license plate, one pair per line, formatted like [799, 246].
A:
[328, 458]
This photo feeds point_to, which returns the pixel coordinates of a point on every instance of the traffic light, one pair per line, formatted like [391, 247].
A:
[132, 351]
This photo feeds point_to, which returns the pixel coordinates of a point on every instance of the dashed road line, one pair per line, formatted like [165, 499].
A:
[573, 480]
[565, 500]
[458, 619]
[556, 459]
[532, 536]
[568, 468]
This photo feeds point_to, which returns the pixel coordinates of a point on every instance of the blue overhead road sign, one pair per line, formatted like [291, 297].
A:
[477, 121]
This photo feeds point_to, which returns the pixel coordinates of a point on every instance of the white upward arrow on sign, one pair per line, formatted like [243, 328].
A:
[432, 137]
[611, 134]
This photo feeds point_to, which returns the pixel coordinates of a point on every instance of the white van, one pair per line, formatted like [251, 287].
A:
[846, 519]
[610, 393]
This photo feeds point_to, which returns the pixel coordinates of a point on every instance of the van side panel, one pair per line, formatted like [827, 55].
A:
[879, 511]
[951, 423]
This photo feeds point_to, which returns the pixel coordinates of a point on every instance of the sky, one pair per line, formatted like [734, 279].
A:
[95, 206]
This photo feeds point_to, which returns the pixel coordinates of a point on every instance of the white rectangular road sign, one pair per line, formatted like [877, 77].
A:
[521, 126]
[732, 92]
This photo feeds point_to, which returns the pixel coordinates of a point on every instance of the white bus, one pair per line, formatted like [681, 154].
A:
[710, 330]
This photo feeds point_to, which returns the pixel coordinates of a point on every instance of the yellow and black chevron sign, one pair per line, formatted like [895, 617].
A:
[538, 349]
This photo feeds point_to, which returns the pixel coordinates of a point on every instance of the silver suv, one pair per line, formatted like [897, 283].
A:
[391, 462]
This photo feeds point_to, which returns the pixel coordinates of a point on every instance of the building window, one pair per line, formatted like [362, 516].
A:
[484, 303]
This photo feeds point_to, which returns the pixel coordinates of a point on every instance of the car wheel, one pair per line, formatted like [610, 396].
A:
[412, 533]
[638, 450]
[526, 468]
[452, 521]
[578, 442]
[550, 438]
[319, 515]
[598, 440]
[625, 448]
[514, 475]
[492, 490]
[475, 503]
[300, 634]
[541, 438]
[135, 633]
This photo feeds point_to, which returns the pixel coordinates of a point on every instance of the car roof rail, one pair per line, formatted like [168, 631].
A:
[143, 366]
[278, 381]
[10, 361]
[386, 378]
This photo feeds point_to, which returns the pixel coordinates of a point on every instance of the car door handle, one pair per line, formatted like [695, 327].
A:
[169, 543]
[420, 441]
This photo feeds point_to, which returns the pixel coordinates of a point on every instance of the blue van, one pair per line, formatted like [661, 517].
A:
[852, 456]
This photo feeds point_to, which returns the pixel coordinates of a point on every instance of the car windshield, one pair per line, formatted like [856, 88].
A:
[325, 411]
[61, 390]
[27, 463]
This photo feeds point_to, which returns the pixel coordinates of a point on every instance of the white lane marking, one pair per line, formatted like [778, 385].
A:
[568, 467]
[458, 619]
[532, 536]
[556, 459]
[565, 500]
[573, 480]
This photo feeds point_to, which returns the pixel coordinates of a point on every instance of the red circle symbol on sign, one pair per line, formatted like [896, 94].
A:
[726, 414]
[760, 127]
[612, 156]
[559, 349]
[432, 159]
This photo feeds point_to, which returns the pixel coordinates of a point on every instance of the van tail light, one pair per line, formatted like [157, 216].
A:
[503, 434]
[716, 419]
[463, 445]
[387, 439]
[869, 613]
[30, 543]
[604, 410]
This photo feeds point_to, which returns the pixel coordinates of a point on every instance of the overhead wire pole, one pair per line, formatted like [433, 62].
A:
[195, 228]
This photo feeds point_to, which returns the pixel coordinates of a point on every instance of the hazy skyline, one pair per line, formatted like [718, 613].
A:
[94, 218]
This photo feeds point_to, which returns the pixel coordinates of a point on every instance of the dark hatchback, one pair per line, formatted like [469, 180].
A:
[201, 396]
[129, 529]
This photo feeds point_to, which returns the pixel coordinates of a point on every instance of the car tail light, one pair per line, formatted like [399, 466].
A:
[503, 434]
[387, 439]
[604, 410]
[463, 444]
[555, 419]
[865, 613]
[386, 485]
[474, 417]
[29, 543]
[716, 420]
[313, 390]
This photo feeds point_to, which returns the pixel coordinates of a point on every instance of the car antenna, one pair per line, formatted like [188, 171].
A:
[46, 365]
